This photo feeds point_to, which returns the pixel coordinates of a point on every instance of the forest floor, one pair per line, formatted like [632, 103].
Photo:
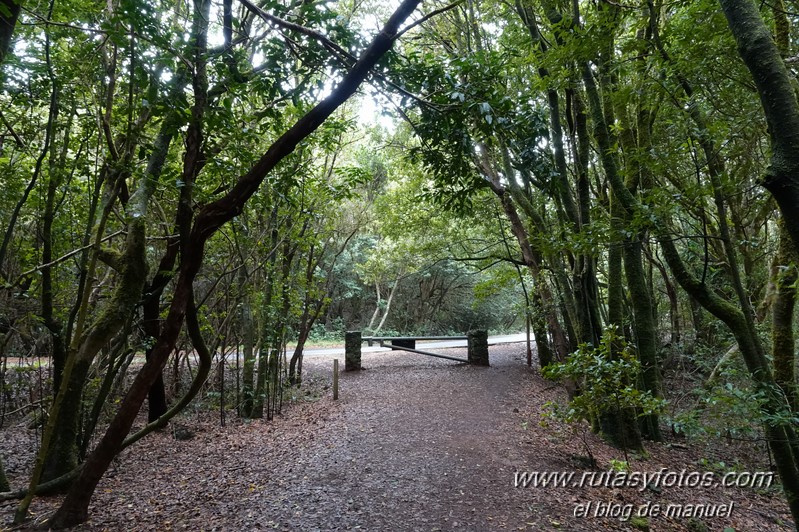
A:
[413, 443]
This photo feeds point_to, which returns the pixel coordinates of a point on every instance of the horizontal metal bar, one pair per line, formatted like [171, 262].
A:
[388, 338]
[425, 353]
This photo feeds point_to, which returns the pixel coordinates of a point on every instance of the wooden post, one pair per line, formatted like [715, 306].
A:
[529, 348]
[352, 351]
[478, 347]
[335, 379]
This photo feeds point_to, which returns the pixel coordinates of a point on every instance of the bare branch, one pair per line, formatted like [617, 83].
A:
[68, 255]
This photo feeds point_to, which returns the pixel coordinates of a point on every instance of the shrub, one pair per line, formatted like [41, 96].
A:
[606, 377]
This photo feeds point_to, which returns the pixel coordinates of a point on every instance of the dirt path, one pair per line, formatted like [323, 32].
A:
[414, 443]
[420, 444]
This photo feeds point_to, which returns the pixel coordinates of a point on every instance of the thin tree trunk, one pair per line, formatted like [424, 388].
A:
[248, 349]
[54, 325]
[48, 138]
[543, 296]
[267, 322]
[376, 313]
[388, 303]
[198, 380]
[151, 320]
[585, 283]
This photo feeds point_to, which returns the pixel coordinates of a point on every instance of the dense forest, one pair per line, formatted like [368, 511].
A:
[194, 191]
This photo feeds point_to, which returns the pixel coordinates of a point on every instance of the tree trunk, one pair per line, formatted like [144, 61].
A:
[376, 313]
[388, 303]
[248, 349]
[54, 326]
[8, 20]
[198, 381]
[782, 330]
[268, 322]
[306, 325]
[63, 454]
[585, 282]
[63, 415]
[542, 294]
[619, 426]
[774, 85]
[674, 304]
[645, 331]
[116, 358]
[4, 486]
[151, 320]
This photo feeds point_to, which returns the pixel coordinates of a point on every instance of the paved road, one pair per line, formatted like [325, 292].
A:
[425, 346]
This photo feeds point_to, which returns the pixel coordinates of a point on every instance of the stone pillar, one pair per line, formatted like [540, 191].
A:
[478, 347]
[352, 351]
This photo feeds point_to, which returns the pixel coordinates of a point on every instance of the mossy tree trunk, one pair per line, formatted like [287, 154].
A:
[268, 324]
[636, 140]
[633, 119]
[63, 455]
[59, 450]
[585, 282]
[645, 331]
[619, 426]
[783, 340]
[59, 440]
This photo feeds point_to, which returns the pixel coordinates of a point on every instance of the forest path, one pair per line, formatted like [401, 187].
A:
[422, 444]
[413, 444]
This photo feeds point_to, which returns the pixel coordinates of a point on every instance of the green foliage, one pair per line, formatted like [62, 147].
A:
[619, 465]
[320, 334]
[606, 376]
[732, 408]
